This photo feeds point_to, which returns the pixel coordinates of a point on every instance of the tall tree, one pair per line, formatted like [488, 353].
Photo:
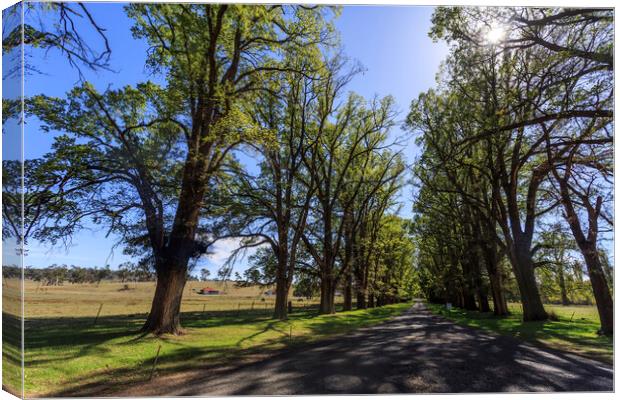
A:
[524, 90]
[273, 206]
[584, 188]
[345, 134]
[216, 60]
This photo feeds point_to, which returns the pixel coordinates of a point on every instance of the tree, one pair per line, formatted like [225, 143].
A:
[346, 137]
[72, 22]
[124, 272]
[204, 274]
[583, 182]
[555, 246]
[23, 27]
[215, 59]
[502, 113]
[273, 206]
[47, 217]
[393, 260]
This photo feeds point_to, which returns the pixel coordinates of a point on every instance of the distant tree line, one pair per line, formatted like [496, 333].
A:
[57, 275]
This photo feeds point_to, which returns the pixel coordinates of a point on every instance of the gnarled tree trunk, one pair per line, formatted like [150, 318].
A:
[166, 306]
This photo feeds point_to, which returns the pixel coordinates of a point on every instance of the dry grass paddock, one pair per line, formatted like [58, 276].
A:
[131, 298]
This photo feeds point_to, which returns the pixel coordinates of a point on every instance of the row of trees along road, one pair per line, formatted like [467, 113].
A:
[158, 165]
[517, 136]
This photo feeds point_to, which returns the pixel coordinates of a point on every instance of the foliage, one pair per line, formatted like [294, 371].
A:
[508, 136]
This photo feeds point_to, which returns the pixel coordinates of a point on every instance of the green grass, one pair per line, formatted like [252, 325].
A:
[67, 354]
[574, 331]
[11, 354]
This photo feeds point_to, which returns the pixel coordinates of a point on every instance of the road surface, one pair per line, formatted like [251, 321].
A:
[414, 353]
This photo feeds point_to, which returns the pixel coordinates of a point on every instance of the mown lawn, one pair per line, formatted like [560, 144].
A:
[575, 329]
[64, 354]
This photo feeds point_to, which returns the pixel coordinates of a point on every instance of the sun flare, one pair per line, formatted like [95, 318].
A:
[495, 34]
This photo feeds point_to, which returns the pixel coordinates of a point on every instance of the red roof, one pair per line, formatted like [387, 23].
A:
[208, 289]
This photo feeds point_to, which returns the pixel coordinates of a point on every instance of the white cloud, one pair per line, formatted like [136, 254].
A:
[222, 249]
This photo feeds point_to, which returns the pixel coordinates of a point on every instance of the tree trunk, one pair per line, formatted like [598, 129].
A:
[460, 300]
[604, 301]
[482, 290]
[283, 282]
[282, 289]
[327, 305]
[500, 306]
[361, 299]
[468, 287]
[489, 247]
[166, 307]
[348, 292]
[360, 285]
[587, 245]
[483, 300]
[562, 284]
[347, 267]
[173, 258]
[523, 267]
[469, 300]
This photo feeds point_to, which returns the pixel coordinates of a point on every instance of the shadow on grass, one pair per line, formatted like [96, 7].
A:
[11, 354]
[82, 338]
[416, 344]
[578, 335]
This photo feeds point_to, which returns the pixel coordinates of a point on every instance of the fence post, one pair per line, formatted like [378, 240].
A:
[98, 312]
[155, 363]
[203, 309]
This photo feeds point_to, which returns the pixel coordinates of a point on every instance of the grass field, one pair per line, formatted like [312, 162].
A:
[66, 350]
[575, 329]
[115, 298]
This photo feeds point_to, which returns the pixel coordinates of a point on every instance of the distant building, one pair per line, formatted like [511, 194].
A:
[209, 291]
[270, 293]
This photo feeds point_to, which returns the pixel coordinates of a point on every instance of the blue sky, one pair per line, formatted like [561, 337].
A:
[391, 42]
